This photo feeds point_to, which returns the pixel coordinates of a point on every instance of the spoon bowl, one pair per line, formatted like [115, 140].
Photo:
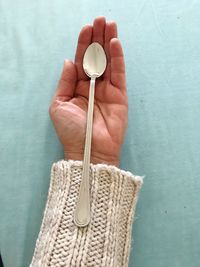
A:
[94, 61]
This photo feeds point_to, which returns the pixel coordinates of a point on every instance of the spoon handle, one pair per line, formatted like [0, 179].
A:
[82, 211]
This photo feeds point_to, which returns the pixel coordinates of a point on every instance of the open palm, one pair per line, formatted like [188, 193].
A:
[68, 109]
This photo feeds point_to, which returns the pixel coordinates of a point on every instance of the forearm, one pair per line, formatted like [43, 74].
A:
[105, 242]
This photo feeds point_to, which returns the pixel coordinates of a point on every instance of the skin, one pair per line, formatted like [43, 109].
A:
[68, 109]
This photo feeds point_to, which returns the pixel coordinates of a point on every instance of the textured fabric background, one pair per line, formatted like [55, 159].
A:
[161, 40]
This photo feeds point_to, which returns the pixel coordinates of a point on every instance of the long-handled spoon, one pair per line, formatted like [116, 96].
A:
[94, 65]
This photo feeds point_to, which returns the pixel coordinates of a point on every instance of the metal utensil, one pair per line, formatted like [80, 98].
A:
[94, 65]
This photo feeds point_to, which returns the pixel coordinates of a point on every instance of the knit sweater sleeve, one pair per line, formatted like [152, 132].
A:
[105, 242]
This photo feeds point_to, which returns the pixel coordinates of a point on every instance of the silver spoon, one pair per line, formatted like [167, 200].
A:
[94, 65]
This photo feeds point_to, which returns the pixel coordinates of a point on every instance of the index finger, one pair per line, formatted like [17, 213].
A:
[84, 41]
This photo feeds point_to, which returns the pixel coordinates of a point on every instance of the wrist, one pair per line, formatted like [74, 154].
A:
[95, 158]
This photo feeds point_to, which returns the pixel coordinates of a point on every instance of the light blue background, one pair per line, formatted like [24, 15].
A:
[161, 41]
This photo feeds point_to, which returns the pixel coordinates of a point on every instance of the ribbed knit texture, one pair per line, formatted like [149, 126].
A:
[105, 242]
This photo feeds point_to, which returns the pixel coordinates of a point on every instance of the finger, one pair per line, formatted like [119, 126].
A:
[66, 85]
[98, 30]
[117, 64]
[84, 40]
[110, 32]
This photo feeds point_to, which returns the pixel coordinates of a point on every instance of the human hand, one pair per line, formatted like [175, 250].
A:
[68, 109]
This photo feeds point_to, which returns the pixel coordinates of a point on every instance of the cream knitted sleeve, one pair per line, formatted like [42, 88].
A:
[105, 242]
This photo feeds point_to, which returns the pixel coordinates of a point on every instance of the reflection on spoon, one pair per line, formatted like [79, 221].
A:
[94, 65]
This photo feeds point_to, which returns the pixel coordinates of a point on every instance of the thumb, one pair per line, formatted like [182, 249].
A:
[67, 83]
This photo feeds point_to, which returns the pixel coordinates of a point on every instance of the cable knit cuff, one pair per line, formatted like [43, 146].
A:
[105, 242]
